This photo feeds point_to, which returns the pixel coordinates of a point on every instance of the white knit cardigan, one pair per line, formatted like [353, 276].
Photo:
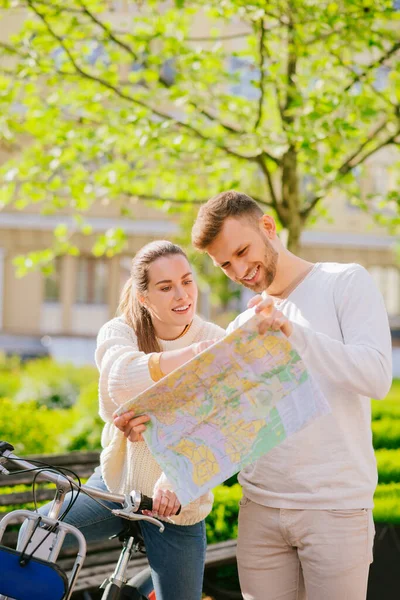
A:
[124, 374]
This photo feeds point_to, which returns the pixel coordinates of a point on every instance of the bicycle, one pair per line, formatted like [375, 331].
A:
[30, 571]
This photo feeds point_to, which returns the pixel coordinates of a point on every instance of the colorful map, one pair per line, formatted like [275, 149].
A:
[227, 407]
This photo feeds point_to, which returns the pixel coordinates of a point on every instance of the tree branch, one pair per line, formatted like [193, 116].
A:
[12, 50]
[348, 163]
[347, 166]
[375, 64]
[128, 97]
[270, 183]
[261, 66]
[377, 92]
[106, 30]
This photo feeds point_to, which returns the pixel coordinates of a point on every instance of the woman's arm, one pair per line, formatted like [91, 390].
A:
[124, 369]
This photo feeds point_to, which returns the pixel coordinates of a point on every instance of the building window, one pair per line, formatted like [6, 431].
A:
[52, 283]
[388, 281]
[91, 281]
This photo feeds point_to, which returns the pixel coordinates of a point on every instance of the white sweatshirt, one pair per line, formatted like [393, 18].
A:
[124, 373]
[341, 331]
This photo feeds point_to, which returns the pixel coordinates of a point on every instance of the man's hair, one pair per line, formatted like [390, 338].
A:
[213, 214]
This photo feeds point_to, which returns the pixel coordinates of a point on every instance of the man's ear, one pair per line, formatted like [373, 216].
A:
[268, 226]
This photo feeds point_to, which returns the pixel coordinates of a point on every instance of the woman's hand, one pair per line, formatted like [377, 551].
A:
[200, 346]
[165, 504]
[271, 317]
[131, 426]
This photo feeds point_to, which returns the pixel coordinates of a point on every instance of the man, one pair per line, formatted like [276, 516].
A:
[305, 520]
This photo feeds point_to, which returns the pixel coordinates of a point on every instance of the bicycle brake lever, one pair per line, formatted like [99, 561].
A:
[129, 511]
[126, 513]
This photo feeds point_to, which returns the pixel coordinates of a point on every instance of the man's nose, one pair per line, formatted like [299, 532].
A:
[240, 269]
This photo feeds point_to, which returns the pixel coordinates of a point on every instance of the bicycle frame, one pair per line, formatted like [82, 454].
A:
[50, 547]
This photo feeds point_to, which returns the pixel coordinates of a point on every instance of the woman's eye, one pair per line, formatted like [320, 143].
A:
[165, 289]
[242, 251]
[188, 282]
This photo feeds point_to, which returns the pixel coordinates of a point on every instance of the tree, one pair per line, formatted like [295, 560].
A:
[283, 99]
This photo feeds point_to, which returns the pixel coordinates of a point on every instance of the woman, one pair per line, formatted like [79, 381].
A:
[157, 331]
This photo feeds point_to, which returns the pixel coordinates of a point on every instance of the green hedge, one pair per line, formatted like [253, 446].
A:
[388, 462]
[386, 433]
[33, 429]
[47, 407]
[387, 504]
[221, 524]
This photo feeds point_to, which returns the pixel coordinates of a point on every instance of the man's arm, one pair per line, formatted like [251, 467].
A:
[362, 363]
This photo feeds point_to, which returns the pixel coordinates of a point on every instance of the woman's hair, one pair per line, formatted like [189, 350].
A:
[136, 315]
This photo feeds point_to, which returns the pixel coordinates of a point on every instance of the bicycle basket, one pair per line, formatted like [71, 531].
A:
[36, 580]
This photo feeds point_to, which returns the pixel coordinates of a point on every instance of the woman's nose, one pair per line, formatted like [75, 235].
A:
[180, 292]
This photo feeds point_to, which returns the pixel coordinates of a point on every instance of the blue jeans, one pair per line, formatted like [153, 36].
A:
[176, 556]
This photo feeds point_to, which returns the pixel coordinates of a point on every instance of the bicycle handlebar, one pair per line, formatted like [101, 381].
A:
[141, 501]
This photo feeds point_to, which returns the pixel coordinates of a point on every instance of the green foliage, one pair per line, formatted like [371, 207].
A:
[387, 503]
[10, 369]
[388, 462]
[33, 429]
[390, 406]
[86, 431]
[148, 111]
[50, 407]
[221, 524]
[386, 433]
[52, 384]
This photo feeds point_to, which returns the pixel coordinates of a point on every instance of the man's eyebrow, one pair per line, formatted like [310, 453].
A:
[170, 280]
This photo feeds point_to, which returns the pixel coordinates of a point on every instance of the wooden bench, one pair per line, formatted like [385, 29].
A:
[101, 557]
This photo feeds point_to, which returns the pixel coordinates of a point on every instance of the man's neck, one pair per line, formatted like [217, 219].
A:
[290, 271]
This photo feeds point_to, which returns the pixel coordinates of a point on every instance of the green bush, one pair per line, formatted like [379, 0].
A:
[53, 384]
[221, 524]
[86, 431]
[390, 406]
[386, 433]
[33, 429]
[388, 465]
[387, 503]
[10, 376]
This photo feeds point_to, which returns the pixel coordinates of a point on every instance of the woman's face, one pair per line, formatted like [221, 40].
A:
[172, 292]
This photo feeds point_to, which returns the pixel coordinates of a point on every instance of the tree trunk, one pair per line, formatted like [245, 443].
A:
[289, 208]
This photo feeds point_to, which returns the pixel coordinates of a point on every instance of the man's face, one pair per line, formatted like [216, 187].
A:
[245, 254]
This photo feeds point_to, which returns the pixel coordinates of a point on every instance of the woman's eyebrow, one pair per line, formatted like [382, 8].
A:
[170, 280]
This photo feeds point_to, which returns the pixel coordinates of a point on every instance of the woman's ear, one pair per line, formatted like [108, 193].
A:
[141, 299]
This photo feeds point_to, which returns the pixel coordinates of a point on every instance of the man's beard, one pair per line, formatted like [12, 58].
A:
[267, 268]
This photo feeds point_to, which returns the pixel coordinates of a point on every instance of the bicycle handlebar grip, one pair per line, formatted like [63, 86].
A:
[146, 503]
[5, 446]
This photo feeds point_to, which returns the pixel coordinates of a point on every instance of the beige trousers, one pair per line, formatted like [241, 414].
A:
[287, 554]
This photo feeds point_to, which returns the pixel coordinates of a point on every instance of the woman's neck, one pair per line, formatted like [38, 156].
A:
[165, 331]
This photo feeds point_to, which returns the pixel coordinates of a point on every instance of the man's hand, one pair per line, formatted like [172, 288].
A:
[131, 426]
[272, 318]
